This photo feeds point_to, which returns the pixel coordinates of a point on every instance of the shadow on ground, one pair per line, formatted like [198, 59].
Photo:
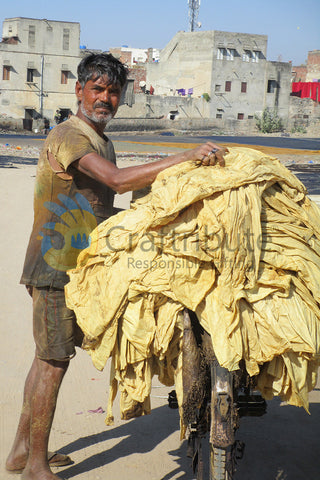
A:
[15, 162]
[141, 435]
[281, 445]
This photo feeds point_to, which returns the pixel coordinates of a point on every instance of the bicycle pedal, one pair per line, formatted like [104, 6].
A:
[251, 405]
[172, 399]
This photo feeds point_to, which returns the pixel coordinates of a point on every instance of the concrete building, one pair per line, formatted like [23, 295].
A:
[229, 70]
[39, 61]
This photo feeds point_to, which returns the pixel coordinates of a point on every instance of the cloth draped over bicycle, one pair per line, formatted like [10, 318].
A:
[240, 246]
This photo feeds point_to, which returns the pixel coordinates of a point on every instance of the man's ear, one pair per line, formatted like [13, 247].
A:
[78, 91]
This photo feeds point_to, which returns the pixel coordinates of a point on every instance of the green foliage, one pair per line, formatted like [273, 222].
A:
[206, 96]
[298, 129]
[269, 122]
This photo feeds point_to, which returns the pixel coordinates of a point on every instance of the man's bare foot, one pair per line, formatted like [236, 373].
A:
[38, 474]
[16, 461]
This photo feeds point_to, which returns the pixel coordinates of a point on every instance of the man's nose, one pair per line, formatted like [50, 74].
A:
[105, 96]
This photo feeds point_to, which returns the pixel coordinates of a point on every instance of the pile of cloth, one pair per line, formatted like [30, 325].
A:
[240, 246]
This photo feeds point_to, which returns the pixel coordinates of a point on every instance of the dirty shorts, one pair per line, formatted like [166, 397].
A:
[55, 330]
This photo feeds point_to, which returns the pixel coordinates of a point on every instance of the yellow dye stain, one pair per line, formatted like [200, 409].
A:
[261, 148]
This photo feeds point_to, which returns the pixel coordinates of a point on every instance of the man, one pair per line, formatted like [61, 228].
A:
[75, 184]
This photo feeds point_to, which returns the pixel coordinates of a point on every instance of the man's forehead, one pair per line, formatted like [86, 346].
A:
[102, 80]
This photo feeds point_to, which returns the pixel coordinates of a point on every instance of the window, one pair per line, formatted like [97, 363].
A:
[230, 54]
[228, 86]
[30, 72]
[272, 86]
[217, 88]
[220, 53]
[64, 76]
[32, 36]
[246, 56]
[65, 41]
[218, 115]
[240, 116]
[255, 56]
[243, 87]
[6, 72]
[250, 117]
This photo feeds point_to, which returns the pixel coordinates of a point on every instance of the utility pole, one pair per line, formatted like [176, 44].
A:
[41, 87]
[193, 14]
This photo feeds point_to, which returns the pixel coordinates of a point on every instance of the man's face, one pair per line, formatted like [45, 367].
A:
[99, 99]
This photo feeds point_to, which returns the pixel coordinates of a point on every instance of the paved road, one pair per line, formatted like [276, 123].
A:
[279, 142]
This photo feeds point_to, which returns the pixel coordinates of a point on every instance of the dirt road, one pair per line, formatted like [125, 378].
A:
[283, 445]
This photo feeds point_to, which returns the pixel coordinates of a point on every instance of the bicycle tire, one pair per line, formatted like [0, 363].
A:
[219, 463]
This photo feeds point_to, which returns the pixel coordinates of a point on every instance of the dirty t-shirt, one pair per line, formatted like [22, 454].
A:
[66, 209]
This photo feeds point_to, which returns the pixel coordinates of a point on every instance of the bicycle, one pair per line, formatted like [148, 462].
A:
[214, 400]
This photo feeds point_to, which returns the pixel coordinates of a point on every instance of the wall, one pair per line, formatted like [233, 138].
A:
[185, 62]
[304, 115]
[299, 73]
[156, 106]
[278, 88]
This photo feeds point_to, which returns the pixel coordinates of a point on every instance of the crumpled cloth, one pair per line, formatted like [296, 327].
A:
[240, 246]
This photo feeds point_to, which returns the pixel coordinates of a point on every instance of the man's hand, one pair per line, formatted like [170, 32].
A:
[209, 154]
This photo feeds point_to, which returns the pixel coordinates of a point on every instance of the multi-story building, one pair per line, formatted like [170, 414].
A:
[230, 70]
[39, 61]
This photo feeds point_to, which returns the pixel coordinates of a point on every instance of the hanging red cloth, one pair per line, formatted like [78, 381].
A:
[314, 91]
[296, 88]
[306, 90]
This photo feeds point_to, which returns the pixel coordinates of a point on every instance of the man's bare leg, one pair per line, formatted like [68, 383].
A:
[46, 384]
[18, 455]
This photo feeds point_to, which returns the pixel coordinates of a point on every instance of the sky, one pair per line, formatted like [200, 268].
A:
[292, 26]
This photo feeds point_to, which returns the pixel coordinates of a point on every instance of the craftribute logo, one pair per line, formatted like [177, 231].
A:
[64, 239]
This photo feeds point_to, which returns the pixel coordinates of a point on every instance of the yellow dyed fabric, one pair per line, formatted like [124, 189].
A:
[239, 245]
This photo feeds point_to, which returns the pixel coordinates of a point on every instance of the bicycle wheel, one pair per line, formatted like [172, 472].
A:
[219, 459]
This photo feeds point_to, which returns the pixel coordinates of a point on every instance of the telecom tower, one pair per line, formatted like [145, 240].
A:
[193, 14]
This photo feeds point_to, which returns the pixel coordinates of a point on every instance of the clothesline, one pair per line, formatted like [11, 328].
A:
[306, 90]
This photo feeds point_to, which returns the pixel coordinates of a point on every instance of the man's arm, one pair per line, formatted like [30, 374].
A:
[127, 179]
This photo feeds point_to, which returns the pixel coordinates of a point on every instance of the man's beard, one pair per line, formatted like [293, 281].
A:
[100, 119]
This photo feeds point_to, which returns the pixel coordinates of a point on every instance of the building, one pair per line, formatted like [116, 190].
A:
[309, 72]
[39, 61]
[229, 70]
[137, 59]
[132, 56]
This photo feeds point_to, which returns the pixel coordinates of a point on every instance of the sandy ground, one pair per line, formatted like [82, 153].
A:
[282, 445]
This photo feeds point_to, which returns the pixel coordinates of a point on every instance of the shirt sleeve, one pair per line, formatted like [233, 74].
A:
[69, 146]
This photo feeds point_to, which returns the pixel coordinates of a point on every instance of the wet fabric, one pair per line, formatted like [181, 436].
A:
[66, 209]
[239, 245]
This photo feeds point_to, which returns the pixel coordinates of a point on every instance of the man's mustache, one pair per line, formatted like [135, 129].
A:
[104, 105]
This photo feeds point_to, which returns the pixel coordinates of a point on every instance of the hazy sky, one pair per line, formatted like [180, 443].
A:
[292, 26]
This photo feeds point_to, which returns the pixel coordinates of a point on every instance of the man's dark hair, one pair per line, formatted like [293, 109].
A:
[95, 65]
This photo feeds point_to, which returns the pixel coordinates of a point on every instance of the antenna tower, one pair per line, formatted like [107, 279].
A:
[193, 14]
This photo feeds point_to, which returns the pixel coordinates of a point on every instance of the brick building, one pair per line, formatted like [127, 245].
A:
[309, 72]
